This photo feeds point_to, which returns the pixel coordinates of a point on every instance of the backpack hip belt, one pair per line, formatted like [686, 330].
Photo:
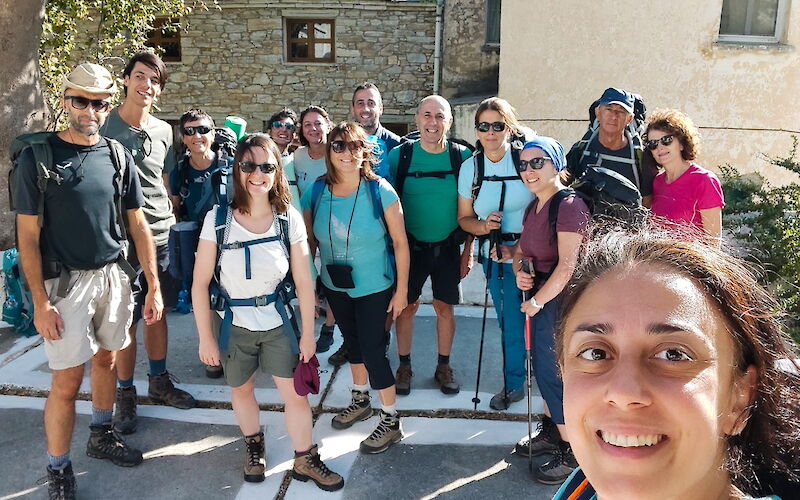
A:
[455, 238]
[54, 269]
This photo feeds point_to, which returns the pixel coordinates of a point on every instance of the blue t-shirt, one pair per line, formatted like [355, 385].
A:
[307, 170]
[386, 140]
[201, 186]
[517, 195]
[367, 250]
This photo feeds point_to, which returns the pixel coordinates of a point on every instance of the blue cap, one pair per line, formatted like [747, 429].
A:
[617, 96]
[551, 147]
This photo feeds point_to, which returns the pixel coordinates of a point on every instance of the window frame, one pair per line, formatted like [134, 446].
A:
[311, 40]
[486, 41]
[777, 37]
[156, 39]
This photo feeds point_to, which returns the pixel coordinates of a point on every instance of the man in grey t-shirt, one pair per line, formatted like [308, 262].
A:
[150, 142]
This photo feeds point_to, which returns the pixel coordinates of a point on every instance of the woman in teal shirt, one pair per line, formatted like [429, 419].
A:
[355, 219]
[678, 381]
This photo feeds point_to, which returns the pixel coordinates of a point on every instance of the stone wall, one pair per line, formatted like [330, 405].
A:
[470, 67]
[233, 60]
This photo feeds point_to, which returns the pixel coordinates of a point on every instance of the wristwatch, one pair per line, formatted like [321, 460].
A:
[535, 304]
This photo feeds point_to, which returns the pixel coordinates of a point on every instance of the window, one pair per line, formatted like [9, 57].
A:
[755, 21]
[166, 35]
[310, 40]
[493, 23]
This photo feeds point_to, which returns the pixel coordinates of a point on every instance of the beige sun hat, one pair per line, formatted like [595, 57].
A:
[91, 78]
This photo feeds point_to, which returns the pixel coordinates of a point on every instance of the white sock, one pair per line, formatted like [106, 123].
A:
[389, 409]
[361, 388]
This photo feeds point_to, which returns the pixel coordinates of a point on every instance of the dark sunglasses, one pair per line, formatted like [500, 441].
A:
[496, 126]
[249, 167]
[533, 164]
[339, 146]
[98, 105]
[201, 129]
[286, 125]
[666, 141]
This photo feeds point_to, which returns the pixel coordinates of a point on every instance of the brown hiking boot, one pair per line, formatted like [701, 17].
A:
[310, 466]
[385, 435]
[254, 462]
[359, 409]
[446, 380]
[163, 391]
[402, 381]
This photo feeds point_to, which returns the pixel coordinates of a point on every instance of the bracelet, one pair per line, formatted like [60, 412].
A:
[535, 304]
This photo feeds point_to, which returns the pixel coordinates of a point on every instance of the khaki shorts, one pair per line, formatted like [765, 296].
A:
[248, 350]
[96, 312]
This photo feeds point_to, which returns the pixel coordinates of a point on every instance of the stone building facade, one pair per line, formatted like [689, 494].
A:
[235, 61]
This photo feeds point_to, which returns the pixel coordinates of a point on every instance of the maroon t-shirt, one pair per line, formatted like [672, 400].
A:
[537, 241]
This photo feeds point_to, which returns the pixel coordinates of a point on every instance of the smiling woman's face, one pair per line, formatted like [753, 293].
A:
[650, 388]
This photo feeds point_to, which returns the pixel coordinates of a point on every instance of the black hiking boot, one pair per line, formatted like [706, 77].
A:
[557, 469]
[61, 484]
[325, 339]
[163, 391]
[339, 357]
[125, 419]
[544, 439]
[105, 442]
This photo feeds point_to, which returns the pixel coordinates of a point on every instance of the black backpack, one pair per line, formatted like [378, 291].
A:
[517, 142]
[454, 147]
[609, 195]
[217, 186]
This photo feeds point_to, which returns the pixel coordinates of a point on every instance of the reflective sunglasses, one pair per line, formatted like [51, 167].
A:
[201, 129]
[249, 167]
[286, 125]
[339, 146]
[496, 126]
[533, 164]
[99, 105]
[666, 141]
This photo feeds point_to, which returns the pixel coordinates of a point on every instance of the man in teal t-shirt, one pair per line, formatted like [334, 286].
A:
[429, 194]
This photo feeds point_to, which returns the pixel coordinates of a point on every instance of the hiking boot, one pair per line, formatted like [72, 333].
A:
[359, 409]
[125, 410]
[254, 462]
[105, 442]
[386, 434]
[503, 399]
[163, 392]
[325, 338]
[61, 484]
[446, 380]
[214, 371]
[310, 466]
[339, 357]
[544, 439]
[402, 381]
[557, 469]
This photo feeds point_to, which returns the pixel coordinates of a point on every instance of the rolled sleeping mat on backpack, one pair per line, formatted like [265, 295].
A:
[237, 125]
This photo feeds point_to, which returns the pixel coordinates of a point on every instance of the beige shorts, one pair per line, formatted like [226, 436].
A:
[97, 313]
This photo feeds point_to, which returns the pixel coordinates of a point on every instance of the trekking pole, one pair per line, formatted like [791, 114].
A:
[526, 296]
[496, 241]
[477, 399]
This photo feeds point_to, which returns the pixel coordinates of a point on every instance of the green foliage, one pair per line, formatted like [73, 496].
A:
[76, 31]
[766, 220]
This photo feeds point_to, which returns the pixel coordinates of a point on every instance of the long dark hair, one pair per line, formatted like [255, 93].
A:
[763, 459]
[279, 194]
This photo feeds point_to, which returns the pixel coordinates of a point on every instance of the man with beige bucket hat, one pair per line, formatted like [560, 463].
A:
[72, 236]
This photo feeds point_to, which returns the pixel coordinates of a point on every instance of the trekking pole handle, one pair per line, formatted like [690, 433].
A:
[526, 267]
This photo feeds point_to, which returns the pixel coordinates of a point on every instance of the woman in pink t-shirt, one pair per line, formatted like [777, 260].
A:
[683, 192]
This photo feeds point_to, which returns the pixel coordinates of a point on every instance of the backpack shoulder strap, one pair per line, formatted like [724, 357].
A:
[39, 143]
[377, 204]
[316, 195]
[477, 177]
[283, 227]
[455, 157]
[552, 212]
[403, 164]
[118, 158]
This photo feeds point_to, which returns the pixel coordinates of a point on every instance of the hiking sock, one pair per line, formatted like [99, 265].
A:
[101, 417]
[444, 360]
[298, 454]
[158, 366]
[58, 462]
[405, 359]
[361, 388]
[125, 383]
[389, 409]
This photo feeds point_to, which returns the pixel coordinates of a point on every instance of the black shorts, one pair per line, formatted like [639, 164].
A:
[169, 285]
[443, 265]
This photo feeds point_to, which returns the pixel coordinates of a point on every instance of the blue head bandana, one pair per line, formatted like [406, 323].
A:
[551, 148]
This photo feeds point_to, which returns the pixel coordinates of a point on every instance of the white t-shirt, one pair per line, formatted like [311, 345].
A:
[306, 169]
[268, 267]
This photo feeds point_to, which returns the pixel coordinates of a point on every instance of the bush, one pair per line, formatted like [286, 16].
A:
[766, 220]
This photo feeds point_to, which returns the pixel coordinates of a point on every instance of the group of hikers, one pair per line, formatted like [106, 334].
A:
[659, 358]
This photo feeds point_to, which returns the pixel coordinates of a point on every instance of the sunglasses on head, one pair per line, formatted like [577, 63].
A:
[286, 125]
[339, 146]
[98, 105]
[666, 141]
[248, 167]
[496, 126]
[533, 164]
[201, 129]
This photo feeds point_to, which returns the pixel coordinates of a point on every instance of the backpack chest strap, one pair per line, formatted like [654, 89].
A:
[501, 178]
[246, 246]
[439, 174]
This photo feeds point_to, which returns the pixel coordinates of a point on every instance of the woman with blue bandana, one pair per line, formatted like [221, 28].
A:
[491, 202]
[553, 229]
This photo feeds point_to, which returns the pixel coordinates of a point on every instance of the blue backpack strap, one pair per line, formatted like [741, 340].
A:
[316, 195]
